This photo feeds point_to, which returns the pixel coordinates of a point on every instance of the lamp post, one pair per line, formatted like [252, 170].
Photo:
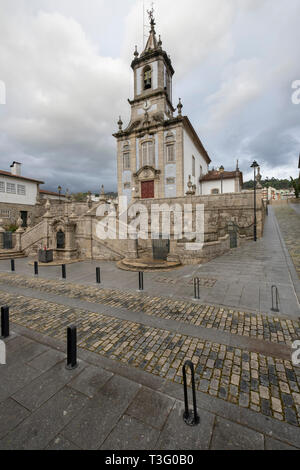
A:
[59, 191]
[267, 186]
[254, 166]
[221, 170]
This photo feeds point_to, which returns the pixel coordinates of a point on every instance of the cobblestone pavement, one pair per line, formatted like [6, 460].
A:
[203, 282]
[289, 222]
[262, 383]
[266, 327]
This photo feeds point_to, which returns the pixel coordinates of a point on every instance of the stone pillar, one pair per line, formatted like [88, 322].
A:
[161, 165]
[29, 222]
[2, 231]
[132, 249]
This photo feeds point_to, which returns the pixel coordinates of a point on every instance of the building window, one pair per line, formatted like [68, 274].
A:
[193, 166]
[11, 188]
[201, 171]
[215, 191]
[2, 187]
[147, 78]
[126, 161]
[21, 190]
[170, 180]
[170, 148]
[127, 186]
[148, 153]
[5, 213]
[171, 153]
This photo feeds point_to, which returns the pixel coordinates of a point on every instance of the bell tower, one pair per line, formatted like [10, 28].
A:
[158, 152]
[153, 74]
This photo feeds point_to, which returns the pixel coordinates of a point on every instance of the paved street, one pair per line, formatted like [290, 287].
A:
[241, 278]
[127, 391]
[289, 221]
[107, 405]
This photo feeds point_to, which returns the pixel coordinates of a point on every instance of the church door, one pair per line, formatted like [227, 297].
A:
[147, 189]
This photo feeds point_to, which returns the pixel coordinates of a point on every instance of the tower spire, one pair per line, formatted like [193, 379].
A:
[152, 43]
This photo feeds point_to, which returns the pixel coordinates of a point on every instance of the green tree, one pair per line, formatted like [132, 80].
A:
[296, 186]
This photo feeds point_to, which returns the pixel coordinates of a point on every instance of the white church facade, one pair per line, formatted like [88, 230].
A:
[159, 153]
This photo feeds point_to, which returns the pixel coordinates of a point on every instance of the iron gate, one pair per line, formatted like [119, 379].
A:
[232, 230]
[160, 248]
[60, 240]
[7, 240]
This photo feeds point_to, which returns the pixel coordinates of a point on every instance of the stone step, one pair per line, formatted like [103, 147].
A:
[147, 264]
[11, 254]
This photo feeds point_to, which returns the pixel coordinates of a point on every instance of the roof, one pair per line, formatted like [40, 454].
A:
[51, 193]
[215, 175]
[7, 173]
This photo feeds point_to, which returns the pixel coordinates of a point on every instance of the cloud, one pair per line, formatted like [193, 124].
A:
[63, 98]
[242, 84]
[66, 68]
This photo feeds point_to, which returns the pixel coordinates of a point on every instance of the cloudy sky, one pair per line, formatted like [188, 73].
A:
[66, 67]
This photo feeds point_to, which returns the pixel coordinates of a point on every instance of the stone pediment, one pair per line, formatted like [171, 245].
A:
[147, 172]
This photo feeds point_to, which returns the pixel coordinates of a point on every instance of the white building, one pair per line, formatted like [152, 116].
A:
[19, 195]
[159, 154]
[221, 181]
[52, 195]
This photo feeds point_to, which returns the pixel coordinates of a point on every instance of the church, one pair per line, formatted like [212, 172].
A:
[159, 153]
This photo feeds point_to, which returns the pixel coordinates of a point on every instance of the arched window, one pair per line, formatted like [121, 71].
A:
[147, 77]
[148, 153]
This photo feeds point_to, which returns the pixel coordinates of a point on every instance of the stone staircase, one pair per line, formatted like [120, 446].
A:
[11, 254]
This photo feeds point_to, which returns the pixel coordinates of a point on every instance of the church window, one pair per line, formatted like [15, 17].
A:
[215, 191]
[126, 161]
[170, 153]
[148, 153]
[170, 148]
[147, 77]
[2, 187]
[193, 166]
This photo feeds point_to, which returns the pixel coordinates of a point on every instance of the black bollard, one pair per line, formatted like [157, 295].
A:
[4, 322]
[141, 280]
[36, 268]
[63, 271]
[12, 265]
[71, 348]
[98, 276]
[275, 308]
[191, 418]
[197, 288]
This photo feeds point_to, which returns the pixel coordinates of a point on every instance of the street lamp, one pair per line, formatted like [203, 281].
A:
[221, 170]
[267, 186]
[254, 166]
[59, 191]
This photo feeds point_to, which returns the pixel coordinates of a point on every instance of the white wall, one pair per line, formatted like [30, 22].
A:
[228, 186]
[191, 150]
[31, 190]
